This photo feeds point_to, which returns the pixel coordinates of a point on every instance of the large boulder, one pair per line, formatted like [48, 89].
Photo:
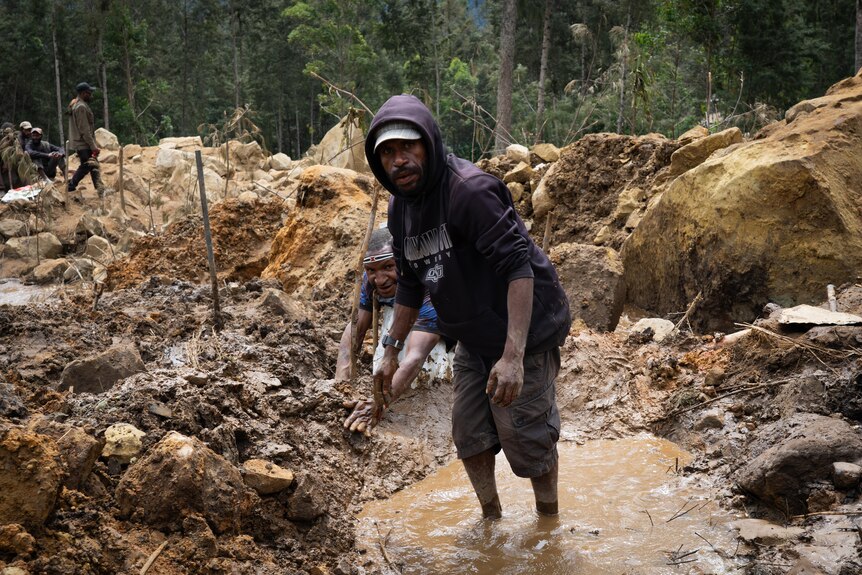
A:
[45, 245]
[695, 153]
[248, 155]
[106, 140]
[182, 143]
[180, 476]
[30, 476]
[593, 280]
[98, 373]
[12, 228]
[772, 220]
[342, 147]
[280, 161]
[785, 456]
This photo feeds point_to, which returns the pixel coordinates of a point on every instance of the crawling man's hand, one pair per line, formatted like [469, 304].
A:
[365, 416]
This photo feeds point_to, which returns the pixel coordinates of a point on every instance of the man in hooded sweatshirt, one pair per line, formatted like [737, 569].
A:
[457, 234]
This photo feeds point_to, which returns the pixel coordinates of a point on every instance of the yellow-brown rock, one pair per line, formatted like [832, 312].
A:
[775, 219]
[694, 153]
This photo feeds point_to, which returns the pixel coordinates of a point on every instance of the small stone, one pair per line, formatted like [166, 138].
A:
[661, 327]
[520, 173]
[265, 477]
[765, 532]
[712, 419]
[845, 475]
[547, 152]
[160, 409]
[98, 373]
[99, 249]
[714, 378]
[307, 502]
[279, 303]
[122, 442]
[197, 378]
[518, 153]
[517, 190]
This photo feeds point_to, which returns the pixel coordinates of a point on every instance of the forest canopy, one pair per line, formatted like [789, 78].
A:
[180, 67]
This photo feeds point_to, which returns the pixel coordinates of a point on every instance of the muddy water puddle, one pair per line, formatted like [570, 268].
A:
[13, 292]
[623, 510]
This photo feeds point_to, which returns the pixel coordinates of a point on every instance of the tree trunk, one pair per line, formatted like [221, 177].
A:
[543, 69]
[625, 56]
[234, 33]
[127, 69]
[57, 74]
[507, 65]
[103, 66]
[858, 35]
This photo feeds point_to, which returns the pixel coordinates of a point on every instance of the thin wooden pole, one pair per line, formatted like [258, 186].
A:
[209, 240]
[546, 240]
[360, 268]
[375, 319]
[120, 185]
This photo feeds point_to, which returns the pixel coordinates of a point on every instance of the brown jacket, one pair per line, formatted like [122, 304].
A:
[82, 126]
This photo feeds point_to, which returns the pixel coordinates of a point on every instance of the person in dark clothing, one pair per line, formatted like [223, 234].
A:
[25, 130]
[82, 139]
[457, 234]
[46, 157]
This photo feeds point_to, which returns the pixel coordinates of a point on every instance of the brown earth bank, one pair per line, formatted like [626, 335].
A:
[133, 435]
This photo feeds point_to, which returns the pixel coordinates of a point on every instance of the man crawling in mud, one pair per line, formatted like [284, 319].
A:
[457, 235]
[378, 283]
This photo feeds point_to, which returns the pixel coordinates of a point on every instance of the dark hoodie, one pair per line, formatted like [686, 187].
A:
[460, 237]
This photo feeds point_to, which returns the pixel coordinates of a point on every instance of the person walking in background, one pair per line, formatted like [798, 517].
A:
[82, 139]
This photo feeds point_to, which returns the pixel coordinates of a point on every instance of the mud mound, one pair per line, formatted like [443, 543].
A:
[775, 219]
[241, 230]
[315, 253]
[589, 177]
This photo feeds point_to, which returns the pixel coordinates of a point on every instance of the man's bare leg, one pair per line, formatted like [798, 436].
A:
[480, 470]
[545, 490]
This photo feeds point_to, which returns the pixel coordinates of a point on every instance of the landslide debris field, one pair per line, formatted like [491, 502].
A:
[134, 437]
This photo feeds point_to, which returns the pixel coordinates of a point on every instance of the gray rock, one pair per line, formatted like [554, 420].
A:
[846, 475]
[79, 269]
[518, 153]
[99, 373]
[279, 303]
[712, 419]
[99, 249]
[50, 270]
[592, 277]
[307, 502]
[12, 228]
[123, 441]
[661, 328]
[785, 456]
[764, 532]
[49, 247]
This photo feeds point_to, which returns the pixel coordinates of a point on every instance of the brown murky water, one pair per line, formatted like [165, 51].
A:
[623, 510]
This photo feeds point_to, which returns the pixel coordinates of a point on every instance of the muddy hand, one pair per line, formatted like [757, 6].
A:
[383, 381]
[364, 417]
[505, 382]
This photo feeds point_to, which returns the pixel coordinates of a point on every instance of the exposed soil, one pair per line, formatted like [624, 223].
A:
[262, 388]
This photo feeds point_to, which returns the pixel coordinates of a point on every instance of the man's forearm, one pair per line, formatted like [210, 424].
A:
[520, 308]
[402, 323]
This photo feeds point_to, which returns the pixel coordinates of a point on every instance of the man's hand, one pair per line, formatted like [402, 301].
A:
[383, 379]
[365, 416]
[505, 381]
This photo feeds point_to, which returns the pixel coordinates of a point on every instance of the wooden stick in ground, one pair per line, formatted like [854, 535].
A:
[690, 309]
[153, 558]
[375, 318]
[549, 223]
[150, 205]
[209, 240]
[360, 268]
[120, 183]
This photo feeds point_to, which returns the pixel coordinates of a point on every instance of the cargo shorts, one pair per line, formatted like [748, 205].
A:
[527, 430]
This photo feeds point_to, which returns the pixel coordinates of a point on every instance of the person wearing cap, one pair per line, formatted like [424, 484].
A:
[457, 234]
[378, 283]
[82, 138]
[46, 156]
[25, 130]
